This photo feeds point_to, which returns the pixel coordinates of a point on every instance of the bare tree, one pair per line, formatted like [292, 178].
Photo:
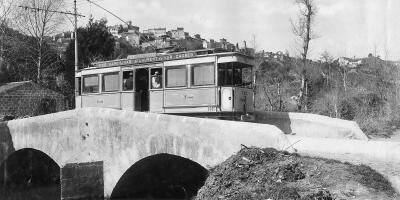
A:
[5, 12]
[327, 60]
[303, 30]
[38, 20]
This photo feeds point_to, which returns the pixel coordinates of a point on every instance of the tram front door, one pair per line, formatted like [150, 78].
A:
[142, 89]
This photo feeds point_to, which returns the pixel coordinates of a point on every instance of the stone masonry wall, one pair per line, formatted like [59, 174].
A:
[30, 100]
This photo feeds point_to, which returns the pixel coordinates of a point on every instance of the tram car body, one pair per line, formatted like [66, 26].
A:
[201, 83]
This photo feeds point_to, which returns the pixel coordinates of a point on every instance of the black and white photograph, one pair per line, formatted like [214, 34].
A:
[199, 99]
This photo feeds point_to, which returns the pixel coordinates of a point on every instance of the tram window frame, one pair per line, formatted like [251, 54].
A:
[183, 67]
[84, 87]
[153, 75]
[78, 86]
[236, 76]
[250, 75]
[224, 79]
[103, 82]
[211, 76]
[124, 88]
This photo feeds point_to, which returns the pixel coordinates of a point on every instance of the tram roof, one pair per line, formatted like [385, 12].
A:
[161, 57]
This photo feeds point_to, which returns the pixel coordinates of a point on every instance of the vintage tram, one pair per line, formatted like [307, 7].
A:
[205, 83]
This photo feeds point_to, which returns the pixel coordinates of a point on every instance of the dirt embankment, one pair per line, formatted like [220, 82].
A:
[255, 173]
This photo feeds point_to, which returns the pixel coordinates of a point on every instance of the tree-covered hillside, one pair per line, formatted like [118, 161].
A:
[364, 90]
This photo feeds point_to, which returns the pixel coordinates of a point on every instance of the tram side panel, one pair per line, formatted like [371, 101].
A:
[156, 101]
[243, 98]
[190, 100]
[127, 100]
[111, 100]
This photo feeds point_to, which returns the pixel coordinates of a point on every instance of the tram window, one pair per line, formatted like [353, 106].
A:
[78, 90]
[91, 84]
[127, 80]
[176, 77]
[234, 73]
[247, 77]
[110, 82]
[237, 76]
[203, 74]
[156, 78]
[225, 74]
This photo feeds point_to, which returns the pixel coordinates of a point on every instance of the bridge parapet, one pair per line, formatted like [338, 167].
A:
[312, 125]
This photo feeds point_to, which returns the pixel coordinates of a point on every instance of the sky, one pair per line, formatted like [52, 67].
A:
[351, 28]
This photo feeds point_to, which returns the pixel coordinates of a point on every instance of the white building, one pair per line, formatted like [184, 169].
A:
[178, 34]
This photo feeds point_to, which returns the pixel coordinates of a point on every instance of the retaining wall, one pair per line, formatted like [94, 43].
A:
[311, 125]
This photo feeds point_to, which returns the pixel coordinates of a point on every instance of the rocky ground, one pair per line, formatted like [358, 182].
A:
[255, 173]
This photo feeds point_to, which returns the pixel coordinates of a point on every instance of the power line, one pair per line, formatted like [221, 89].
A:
[83, 2]
[107, 11]
[48, 10]
[79, 3]
[75, 14]
[93, 2]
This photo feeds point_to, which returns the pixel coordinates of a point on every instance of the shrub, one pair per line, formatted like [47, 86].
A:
[347, 109]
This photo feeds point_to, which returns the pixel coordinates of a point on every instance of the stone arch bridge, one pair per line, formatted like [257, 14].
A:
[112, 141]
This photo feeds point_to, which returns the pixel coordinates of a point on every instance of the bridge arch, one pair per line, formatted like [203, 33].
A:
[161, 176]
[29, 173]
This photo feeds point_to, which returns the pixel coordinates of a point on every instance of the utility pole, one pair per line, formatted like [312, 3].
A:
[76, 36]
[75, 14]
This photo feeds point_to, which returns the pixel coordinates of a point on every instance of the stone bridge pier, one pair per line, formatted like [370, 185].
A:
[116, 154]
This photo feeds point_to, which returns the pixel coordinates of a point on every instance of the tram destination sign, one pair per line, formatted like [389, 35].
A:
[156, 58]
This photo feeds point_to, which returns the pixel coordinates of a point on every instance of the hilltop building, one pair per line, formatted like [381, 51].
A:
[197, 37]
[279, 55]
[130, 33]
[132, 36]
[187, 35]
[61, 41]
[222, 44]
[114, 30]
[133, 29]
[178, 33]
[349, 62]
[157, 32]
[62, 37]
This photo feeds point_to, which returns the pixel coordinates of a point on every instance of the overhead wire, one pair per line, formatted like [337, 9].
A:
[107, 11]
[83, 2]
[94, 2]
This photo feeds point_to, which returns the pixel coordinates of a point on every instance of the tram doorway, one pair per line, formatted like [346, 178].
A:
[142, 89]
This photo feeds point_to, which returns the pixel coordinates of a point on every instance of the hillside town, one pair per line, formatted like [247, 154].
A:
[158, 39]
